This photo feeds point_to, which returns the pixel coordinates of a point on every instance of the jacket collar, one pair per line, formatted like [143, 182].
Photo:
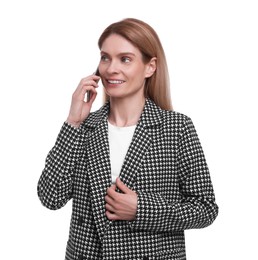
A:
[151, 115]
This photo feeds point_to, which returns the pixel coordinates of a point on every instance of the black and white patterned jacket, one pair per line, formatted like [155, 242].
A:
[165, 165]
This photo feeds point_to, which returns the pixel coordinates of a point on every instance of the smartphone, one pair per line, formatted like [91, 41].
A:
[88, 94]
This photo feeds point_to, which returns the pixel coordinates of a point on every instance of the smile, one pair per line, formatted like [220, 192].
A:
[115, 81]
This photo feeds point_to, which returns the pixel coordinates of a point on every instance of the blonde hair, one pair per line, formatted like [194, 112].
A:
[144, 37]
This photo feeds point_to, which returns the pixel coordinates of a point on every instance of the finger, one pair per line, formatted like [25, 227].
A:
[111, 188]
[92, 77]
[109, 200]
[89, 82]
[92, 98]
[80, 92]
[95, 78]
[109, 208]
[111, 192]
[84, 89]
[88, 94]
[84, 84]
[121, 186]
[111, 215]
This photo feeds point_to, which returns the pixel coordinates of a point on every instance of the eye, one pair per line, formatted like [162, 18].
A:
[104, 58]
[125, 59]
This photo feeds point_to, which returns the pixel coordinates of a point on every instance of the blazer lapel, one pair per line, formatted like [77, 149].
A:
[137, 149]
[141, 142]
[98, 165]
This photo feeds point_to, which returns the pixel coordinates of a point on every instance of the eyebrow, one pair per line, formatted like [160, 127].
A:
[120, 54]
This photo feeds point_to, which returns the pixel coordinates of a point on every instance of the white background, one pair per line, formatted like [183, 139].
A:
[46, 47]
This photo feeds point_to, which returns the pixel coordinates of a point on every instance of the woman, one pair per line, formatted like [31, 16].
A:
[135, 169]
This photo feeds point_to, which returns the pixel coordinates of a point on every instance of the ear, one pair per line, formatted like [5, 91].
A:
[151, 67]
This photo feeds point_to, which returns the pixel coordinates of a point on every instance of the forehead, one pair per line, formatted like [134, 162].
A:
[115, 44]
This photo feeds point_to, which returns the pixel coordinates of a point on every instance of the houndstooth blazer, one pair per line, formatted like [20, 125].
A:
[164, 164]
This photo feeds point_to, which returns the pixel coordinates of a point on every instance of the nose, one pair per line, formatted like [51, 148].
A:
[113, 67]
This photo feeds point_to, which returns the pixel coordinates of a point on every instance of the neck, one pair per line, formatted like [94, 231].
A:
[125, 112]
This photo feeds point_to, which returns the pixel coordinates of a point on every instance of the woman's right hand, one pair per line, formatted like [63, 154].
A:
[80, 109]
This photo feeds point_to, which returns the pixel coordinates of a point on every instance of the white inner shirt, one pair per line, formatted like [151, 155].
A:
[119, 142]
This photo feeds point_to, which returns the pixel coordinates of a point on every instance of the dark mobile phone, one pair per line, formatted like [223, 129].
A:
[88, 94]
[97, 72]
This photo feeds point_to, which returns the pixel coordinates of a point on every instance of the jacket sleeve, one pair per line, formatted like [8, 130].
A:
[55, 186]
[196, 208]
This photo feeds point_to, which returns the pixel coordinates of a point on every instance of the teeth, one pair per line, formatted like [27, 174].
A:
[115, 81]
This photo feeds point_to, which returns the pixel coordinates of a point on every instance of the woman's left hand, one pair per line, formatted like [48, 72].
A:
[121, 206]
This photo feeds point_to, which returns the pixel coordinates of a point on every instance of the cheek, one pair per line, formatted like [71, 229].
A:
[138, 76]
[137, 73]
[101, 69]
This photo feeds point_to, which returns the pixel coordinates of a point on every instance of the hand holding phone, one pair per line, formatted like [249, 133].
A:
[80, 109]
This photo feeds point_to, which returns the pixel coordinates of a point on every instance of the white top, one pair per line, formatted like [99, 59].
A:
[119, 142]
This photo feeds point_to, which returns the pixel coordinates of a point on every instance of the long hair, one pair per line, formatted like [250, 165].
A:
[144, 37]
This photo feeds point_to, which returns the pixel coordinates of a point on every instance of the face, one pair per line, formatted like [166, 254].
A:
[122, 69]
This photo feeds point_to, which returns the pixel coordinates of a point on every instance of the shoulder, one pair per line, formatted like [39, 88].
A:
[175, 119]
[172, 115]
[170, 119]
[180, 125]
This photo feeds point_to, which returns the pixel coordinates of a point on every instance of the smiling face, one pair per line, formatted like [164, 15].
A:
[122, 69]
